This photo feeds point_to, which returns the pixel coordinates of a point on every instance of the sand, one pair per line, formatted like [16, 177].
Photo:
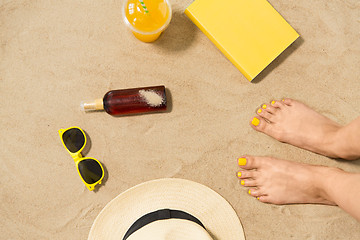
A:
[55, 54]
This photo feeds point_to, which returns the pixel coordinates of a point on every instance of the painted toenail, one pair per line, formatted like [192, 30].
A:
[239, 174]
[283, 100]
[264, 106]
[249, 192]
[258, 198]
[273, 102]
[259, 111]
[242, 182]
[255, 121]
[242, 162]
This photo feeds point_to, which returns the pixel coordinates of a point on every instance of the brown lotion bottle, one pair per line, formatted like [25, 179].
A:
[129, 101]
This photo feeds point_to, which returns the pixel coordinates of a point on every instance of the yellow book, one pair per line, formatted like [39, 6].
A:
[250, 33]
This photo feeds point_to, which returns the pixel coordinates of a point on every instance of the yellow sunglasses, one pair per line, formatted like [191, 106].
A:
[90, 170]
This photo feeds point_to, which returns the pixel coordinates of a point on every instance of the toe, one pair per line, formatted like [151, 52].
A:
[264, 199]
[271, 199]
[278, 104]
[248, 162]
[248, 182]
[255, 192]
[264, 114]
[264, 106]
[288, 101]
[258, 123]
[269, 108]
[267, 126]
[246, 174]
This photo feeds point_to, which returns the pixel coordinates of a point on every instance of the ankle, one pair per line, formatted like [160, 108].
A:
[331, 146]
[343, 145]
[324, 179]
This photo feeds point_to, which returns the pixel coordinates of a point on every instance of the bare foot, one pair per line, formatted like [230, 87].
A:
[278, 181]
[295, 123]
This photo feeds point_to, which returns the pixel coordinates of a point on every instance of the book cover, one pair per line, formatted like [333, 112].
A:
[250, 33]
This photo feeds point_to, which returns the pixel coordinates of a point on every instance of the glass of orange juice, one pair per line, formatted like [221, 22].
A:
[147, 19]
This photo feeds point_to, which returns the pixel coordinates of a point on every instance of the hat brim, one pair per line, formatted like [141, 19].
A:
[215, 213]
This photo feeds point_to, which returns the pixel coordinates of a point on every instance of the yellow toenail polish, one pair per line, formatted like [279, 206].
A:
[273, 102]
[283, 100]
[242, 182]
[239, 174]
[257, 198]
[259, 111]
[242, 162]
[255, 121]
[249, 192]
[264, 106]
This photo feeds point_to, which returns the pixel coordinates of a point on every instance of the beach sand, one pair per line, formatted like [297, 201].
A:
[55, 54]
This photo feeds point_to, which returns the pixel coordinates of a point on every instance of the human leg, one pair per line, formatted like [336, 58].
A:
[277, 181]
[295, 123]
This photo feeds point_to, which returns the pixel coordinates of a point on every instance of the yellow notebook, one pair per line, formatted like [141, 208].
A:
[250, 33]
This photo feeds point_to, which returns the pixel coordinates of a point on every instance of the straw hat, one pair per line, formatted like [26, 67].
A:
[168, 209]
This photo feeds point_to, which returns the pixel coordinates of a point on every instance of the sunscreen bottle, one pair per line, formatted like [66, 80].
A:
[129, 101]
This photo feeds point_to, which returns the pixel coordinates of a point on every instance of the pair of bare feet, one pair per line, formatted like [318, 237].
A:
[279, 181]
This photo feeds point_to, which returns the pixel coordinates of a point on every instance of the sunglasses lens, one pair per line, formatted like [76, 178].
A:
[90, 170]
[74, 139]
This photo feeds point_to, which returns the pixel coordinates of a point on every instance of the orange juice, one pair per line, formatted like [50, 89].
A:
[147, 24]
